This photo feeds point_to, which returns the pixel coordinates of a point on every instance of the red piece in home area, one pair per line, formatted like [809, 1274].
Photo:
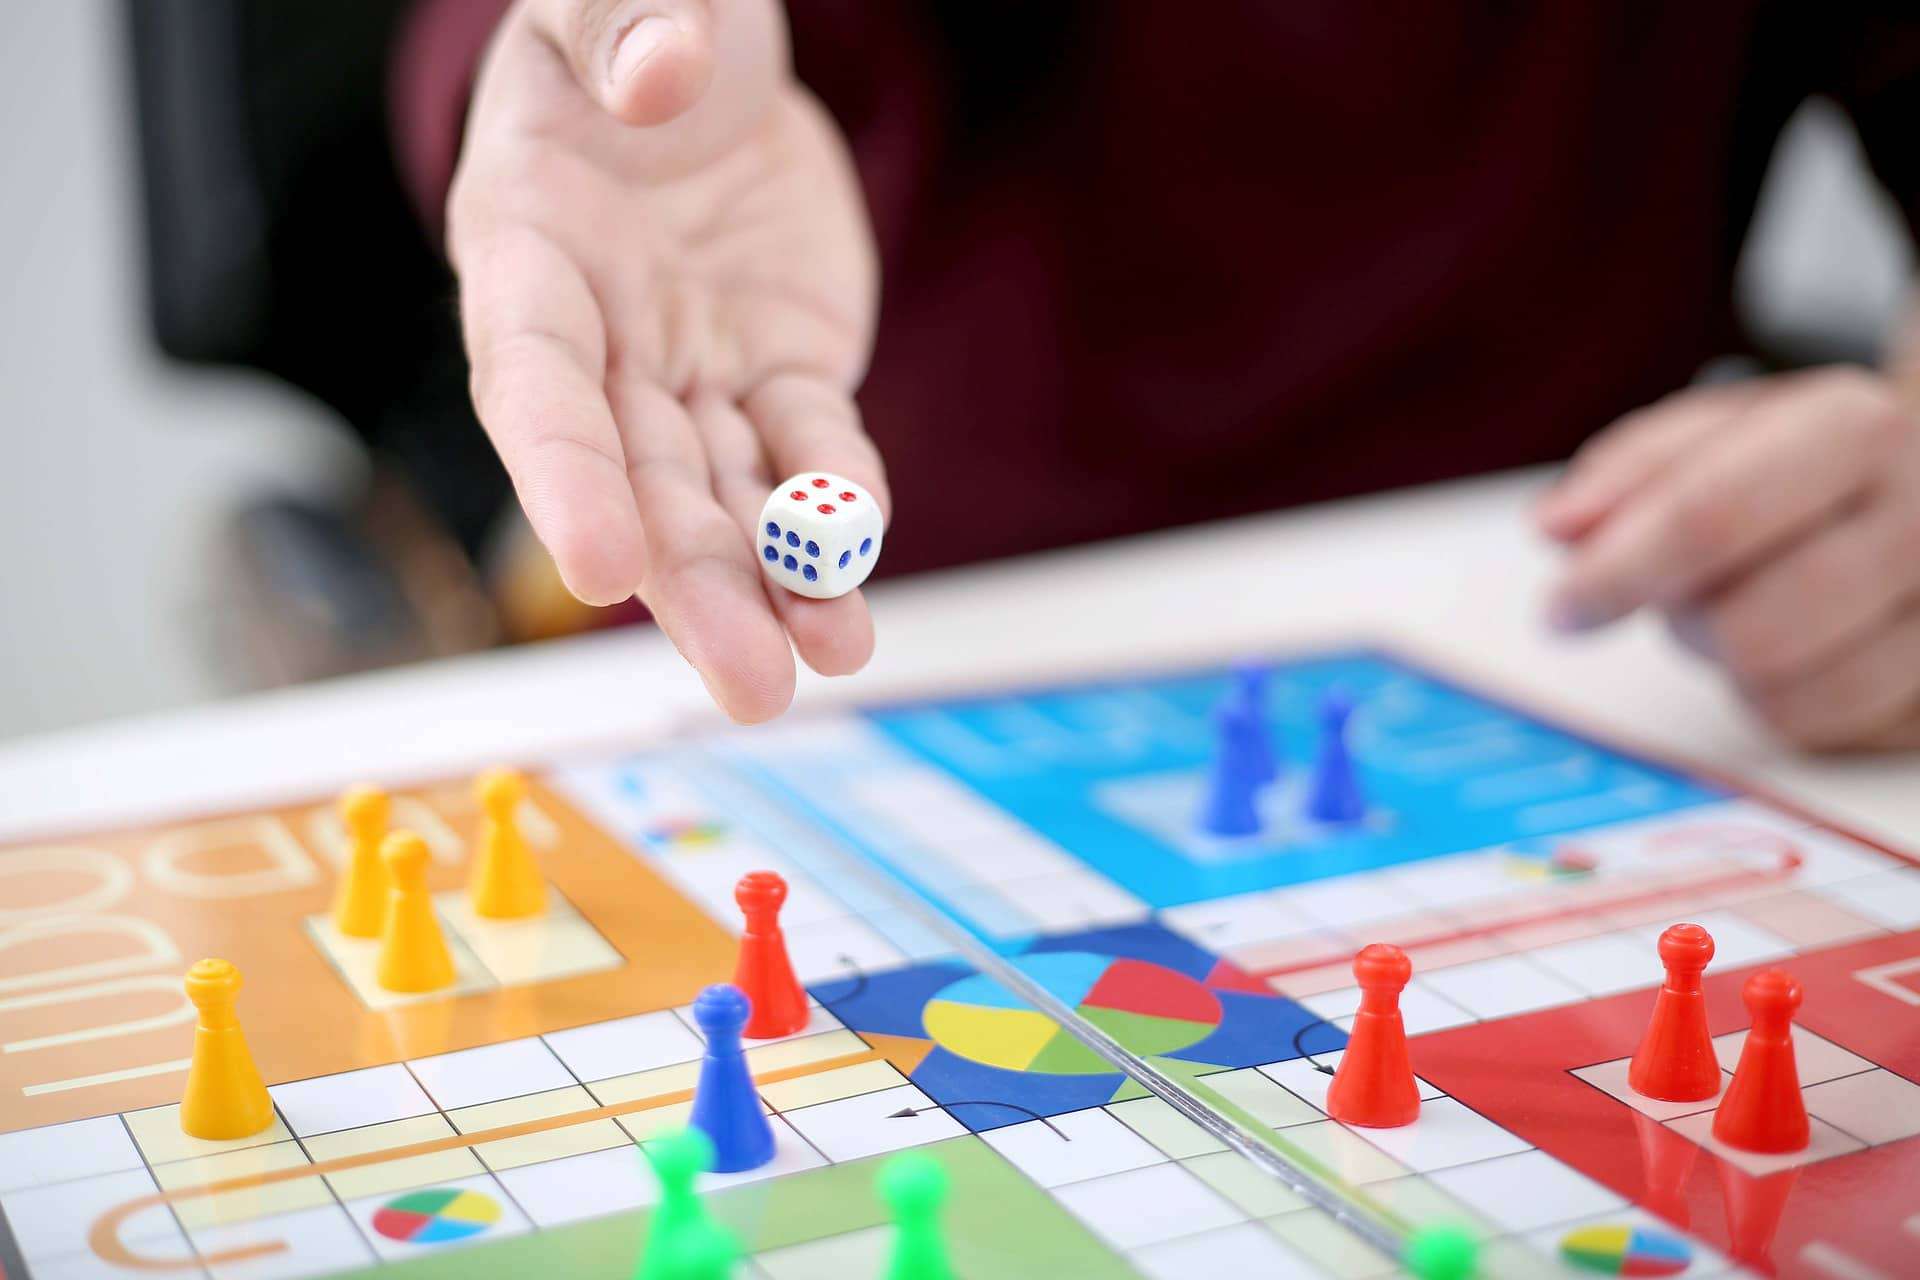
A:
[1373, 1086]
[1763, 1110]
[1675, 1061]
[778, 1005]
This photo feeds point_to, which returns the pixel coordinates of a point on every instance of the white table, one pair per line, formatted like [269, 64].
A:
[1452, 572]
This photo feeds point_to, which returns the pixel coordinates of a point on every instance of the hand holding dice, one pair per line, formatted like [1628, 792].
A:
[819, 535]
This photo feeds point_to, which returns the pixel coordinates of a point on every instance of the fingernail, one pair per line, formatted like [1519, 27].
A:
[635, 45]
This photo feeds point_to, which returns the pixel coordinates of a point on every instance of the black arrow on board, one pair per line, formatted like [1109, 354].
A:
[1301, 1051]
[907, 1113]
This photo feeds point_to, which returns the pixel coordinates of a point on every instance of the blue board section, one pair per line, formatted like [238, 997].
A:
[1114, 773]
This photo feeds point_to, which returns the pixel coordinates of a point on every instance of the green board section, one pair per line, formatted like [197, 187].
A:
[1065, 1055]
[1144, 1033]
[998, 1223]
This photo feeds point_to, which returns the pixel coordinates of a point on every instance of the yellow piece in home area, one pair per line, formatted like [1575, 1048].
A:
[505, 883]
[225, 1098]
[360, 903]
[413, 954]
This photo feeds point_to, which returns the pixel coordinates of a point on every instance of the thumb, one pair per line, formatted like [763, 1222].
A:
[645, 61]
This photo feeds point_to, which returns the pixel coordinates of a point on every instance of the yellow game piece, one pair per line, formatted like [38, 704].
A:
[505, 883]
[360, 903]
[225, 1098]
[413, 955]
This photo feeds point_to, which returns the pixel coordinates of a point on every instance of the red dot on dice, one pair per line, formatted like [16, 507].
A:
[826, 508]
[798, 495]
[819, 482]
[849, 496]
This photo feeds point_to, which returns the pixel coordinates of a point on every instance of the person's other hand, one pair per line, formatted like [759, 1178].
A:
[668, 288]
[1777, 524]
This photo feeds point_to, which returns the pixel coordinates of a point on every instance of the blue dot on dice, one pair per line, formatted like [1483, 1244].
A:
[791, 563]
[793, 539]
[844, 557]
[773, 530]
[770, 553]
[810, 573]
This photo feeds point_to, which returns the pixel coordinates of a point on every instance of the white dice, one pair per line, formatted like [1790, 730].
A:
[819, 535]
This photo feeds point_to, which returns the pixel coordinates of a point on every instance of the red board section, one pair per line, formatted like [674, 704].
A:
[1231, 977]
[1134, 986]
[1517, 1072]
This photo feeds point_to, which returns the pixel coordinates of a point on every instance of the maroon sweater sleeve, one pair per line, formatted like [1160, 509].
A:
[430, 80]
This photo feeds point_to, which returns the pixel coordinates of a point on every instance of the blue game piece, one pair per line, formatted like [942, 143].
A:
[1234, 781]
[726, 1107]
[1250, 694]
[1334, 793]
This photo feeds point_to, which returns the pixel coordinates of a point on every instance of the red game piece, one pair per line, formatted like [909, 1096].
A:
[779, 1006]
[1373, 1086]
[1763, 1109]
[1675, 1061]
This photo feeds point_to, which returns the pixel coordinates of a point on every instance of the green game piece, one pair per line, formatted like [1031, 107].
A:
[1441, 1253]
[703, 1250]
[680, 1218]
[914, 1185]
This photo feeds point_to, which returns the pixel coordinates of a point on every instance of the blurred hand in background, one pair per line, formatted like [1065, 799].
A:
[668, 292]
[1776, 523]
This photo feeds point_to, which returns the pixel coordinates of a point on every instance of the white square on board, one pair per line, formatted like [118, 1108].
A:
[838, 949]
[1421, 1008]
[1456, 879]
[1225, 923]
[791, 1154]
[1611, 1077]
[1892, 898]
[1095, 1145]
[51, 1221]
[1737, 941]
[1602, 966]
[1815, 1058]
[623, 1045]
[818, 1020]
[1347, 901]
[1502, 986]
[1352, 1159]
[1823, 1143]
[319, 1242]
[511, 1221]
[1875, 1106]
[62, 1152]
[490, 1073]
[350, 1099]
[1302, 1079]
[554, 1192]
[1245, 1249]
[1142, 1206]
[1526, 1191]
[1074, 900]
[849, 1128]
[1445, 1134]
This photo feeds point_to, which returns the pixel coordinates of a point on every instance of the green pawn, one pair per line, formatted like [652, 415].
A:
[703, 1251]
[914, 1185]
[679, 1217]
[1441, 1253]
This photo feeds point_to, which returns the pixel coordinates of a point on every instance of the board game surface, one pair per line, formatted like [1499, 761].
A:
[936, 853]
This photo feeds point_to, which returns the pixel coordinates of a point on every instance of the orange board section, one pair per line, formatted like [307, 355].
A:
[96, 931]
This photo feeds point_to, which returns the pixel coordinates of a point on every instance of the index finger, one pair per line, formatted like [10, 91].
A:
[536, 341]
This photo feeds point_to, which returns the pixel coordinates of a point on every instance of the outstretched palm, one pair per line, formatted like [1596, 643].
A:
[665, 320]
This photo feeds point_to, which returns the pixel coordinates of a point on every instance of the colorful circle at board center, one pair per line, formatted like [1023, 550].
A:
[436, 1217]
[1146, 1007]
[1619, 1249]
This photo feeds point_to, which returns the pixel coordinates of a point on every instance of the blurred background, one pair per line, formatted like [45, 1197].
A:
[173, 532]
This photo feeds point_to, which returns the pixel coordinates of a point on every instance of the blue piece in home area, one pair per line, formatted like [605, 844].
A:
[1334, 794]
[1242, 764]
[726, 1106]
